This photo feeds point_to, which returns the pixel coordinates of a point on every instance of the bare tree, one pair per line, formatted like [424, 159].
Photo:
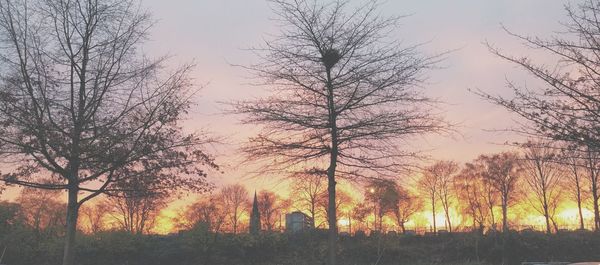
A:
[566, 107]
[94, 217]
[543, 176]
[490, 193]
[503, 171]
[384, 196]
[308, 190]
[269, 204]
[205, 219]
[345, 96]
[436, 183]
[575, 165]
[428, 185]
[207, 211]
[79, 102]
[444, 172]
[42, 211]
[137, 204]
[235, 199]
[592, 165]
[472, 195]
[407, 205]
[360, 212]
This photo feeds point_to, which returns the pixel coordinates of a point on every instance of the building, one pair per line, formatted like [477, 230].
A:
[255, 217]
[297, 222]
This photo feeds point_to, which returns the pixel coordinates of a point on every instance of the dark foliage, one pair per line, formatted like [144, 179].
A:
[198, 246]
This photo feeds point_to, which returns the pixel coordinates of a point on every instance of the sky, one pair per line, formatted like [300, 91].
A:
[215, 33]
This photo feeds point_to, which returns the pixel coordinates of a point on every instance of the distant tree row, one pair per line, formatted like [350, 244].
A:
[541, 175]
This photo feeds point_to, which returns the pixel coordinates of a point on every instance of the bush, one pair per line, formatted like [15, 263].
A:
[199, 246]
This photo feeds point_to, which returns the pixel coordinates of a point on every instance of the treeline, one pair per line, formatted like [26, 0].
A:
[536, 181]
[540, 178]
[200, 246]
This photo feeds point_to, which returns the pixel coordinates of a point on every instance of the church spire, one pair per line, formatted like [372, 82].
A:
[255, 217]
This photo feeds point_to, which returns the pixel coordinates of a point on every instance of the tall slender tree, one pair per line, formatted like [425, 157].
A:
[445, 171]
[470, 191]
[592, 165]
[235, 198]
[308, 190]
[345, 96]
[269, 206]
[406, 207]
[574, 179]
[503, 171]
[384, 196]
[428, 185]
[543, 176]
[79, 102]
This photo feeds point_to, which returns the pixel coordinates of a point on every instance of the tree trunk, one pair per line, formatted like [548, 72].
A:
[505, 248]
[504, 214]
[332, 218]
[72, 212]
[547, 216]
[235, 224]
[312, 213]
[596, 213]
[594, 189]
[581, 225]
[375, 223]
[555, 224]
[492, 217]
[595, 202]
[349, 224]
[578, 196]
[433, 214]
[548, 229]
[332, 214]
[448, 221]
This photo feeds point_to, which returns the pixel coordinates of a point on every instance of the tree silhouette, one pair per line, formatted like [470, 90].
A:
[575, 167]
[208, 211]
[591, 157]
[137, 203]
[444, 173]
[503, 171]
[384, 196]
[307, 190]
[235, 199]
[406, 207]
[345, 96]
[543, 175]
[80, 103]
[566, 107]
[269, 206]
[94, 217]
[435, 184]
[472, 193]
[42, 211]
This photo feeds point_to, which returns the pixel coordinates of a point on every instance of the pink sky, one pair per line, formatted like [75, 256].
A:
[213, 33]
